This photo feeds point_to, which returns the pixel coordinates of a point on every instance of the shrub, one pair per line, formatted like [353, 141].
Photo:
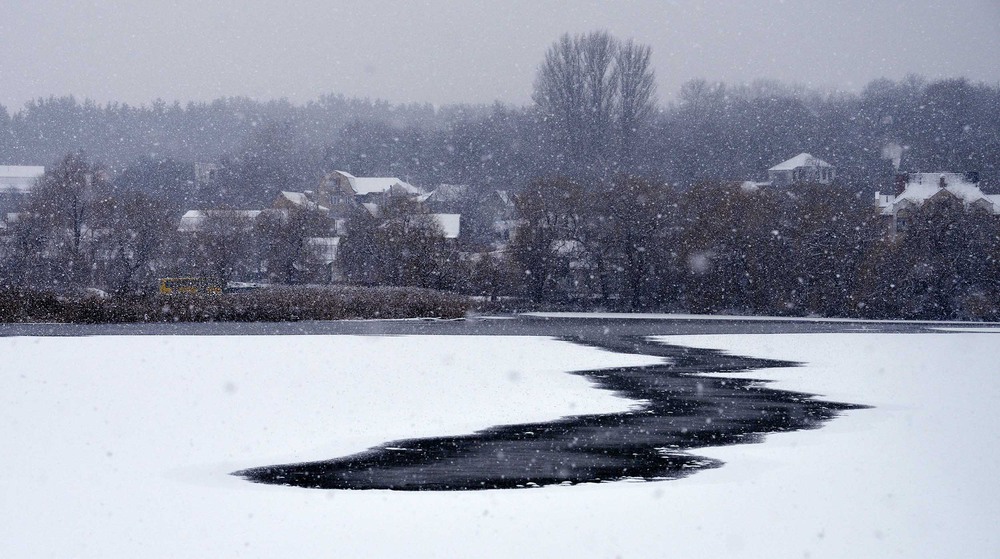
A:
[278, 304]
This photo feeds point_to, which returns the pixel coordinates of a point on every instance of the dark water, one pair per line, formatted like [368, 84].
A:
[681, 411]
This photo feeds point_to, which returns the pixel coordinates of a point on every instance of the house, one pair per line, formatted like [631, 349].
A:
[446, 197]
[913, 190]
[450, 223]
[803, 168]
[297, 200]
[19, 178]
[340, 193]
[500, 205]
[195, 221]
[338, 196]
[16, 182]
[367, 189]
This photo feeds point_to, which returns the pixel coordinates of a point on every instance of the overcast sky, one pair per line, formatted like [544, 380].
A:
[443, 51]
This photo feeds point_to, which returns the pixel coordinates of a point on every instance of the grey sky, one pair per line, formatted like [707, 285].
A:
[443, 51]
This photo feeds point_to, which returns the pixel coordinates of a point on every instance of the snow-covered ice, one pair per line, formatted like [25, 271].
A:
[912, 477]
[120, 447]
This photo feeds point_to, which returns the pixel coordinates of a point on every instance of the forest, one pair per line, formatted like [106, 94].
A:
[711, 131]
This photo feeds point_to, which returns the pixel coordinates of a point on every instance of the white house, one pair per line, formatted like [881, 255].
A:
[803, 168]
[16, 182]
[194, 221]
[366, 187]
[19, 179]
[913, 190]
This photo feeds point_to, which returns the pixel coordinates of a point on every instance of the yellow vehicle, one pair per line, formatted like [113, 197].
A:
[190, 285]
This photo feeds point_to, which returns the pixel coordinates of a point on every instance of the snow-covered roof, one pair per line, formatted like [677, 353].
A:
[451, 224]
[194, 220]
[298, 198]
[922, 186]
[191, 221]
[19, 178]
[372, 185]
[22, 171]
[378, 185]
[567, 247]
[800, 160]
[449, 192]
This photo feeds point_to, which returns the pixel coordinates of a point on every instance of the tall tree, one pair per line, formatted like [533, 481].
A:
[637, 99]
[134, 230]
[66, 199]
[594, 93]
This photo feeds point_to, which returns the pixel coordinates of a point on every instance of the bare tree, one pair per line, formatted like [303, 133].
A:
[637, 98]
[228, 242]
[133, 230]
[23, 252]
[65, 201]
[601, 89]
[287, 251]
[560, 92]
[595, 93]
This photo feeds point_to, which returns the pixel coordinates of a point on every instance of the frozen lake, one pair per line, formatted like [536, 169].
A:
[119, 445]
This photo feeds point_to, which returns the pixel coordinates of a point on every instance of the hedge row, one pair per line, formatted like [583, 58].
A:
[265, 305]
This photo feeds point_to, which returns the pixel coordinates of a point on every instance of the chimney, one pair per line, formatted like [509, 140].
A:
[900, 182]
[941, 182]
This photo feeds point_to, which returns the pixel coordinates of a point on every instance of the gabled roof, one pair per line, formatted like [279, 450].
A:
[800, 160]
[301, 200]
[372, 208]
[920, 187]
[378, 185]
[297, 198]
[753, 186]
[448, 193]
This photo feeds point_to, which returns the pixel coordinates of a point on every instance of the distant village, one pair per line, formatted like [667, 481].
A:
[473, 223]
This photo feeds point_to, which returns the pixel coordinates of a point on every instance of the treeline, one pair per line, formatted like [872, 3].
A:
[623, 244]
[712, 132]
[721, 248]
